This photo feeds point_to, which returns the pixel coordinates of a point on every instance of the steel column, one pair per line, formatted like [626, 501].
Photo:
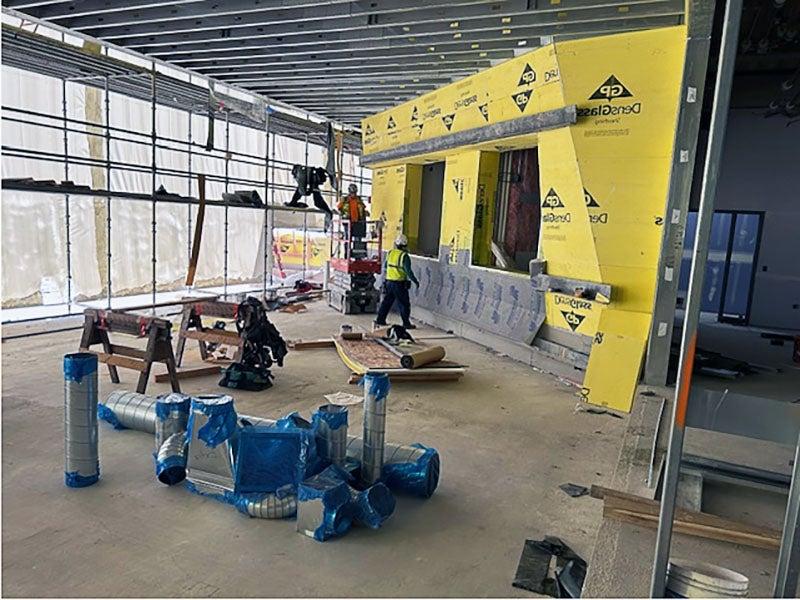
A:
[271, 213]
[108, 187]
[788, 571]
[719, 117]
[227, 182]
[189, 187]
[700, 21]
[305, 218]
[66, 196]
[267, 244]
[153, 170]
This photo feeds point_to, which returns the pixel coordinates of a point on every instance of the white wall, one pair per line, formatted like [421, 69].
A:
[761, 172]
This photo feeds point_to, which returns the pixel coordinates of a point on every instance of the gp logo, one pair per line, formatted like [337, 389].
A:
[521, 99]
[528, 76]
[552, 200]
[573, 319]
[448, 121]
[611, 89]
[390, 124]
[484, 108]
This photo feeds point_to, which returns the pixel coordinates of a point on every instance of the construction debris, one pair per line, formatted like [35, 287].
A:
[574, 490]
[550, 567]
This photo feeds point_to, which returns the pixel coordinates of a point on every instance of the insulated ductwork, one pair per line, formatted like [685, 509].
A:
[373, 505]
[331, 420]
[376, 388]
[412, 469]
[211, 436]
[81, 461]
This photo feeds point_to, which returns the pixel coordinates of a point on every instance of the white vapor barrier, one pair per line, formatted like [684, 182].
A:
[34, 232]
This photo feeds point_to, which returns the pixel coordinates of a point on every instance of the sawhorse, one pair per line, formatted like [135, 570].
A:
[99, 323]
[192, 328]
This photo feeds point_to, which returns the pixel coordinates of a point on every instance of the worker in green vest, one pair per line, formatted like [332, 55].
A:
[397, 280]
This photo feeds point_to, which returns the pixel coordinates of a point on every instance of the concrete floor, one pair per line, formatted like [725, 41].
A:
[507, 435]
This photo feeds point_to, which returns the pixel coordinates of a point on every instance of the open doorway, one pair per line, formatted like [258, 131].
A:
[430, 209]
[517, 210]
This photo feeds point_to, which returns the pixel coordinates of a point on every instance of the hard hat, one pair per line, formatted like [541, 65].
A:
[352, 188]
[401, 241]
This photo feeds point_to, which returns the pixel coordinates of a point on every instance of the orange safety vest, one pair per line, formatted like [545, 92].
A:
[354, 208]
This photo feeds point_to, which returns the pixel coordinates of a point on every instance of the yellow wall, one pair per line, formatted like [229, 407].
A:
[603, 180]
[412, 194]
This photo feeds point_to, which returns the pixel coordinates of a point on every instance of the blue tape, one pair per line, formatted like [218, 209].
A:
[292, 420]
[74, 480]
[374, 505]
[109, 416]
[335, 420]
[172, 403]
[331, 488]
[225, 496]
[78, 365]
[419, 478]
[376, 384]
[221, 423]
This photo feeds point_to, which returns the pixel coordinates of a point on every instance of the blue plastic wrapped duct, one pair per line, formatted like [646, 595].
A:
[172, 404]
[74, 480]
[269, 458]
[419, 476]
[324, 505]
[293, 420]
[373, 505]
[280, 504]
[109, 416]
[377, 384]
[334, 419]
[221, 424]
[78, 365]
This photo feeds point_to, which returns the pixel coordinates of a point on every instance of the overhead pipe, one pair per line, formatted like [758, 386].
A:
[81, 460]
[412, 469]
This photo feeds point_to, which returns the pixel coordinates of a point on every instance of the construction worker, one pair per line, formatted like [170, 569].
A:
[351, 207]
[397, 280]
[354, 221]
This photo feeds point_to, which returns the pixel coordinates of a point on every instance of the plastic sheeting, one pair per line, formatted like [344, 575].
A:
[419, 477]
[34, 257]
[270, 458]
[221, 424]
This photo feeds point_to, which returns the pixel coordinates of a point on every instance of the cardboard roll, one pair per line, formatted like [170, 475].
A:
[422, 357]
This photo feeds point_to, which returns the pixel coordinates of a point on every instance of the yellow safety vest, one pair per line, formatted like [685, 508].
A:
[394, 265]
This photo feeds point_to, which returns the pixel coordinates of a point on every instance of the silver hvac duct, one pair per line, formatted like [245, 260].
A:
[376, 388]
[171, 459]
[269, 506]
[172, 416]
[81, 461]
[332, 420]
[413, 469]
[132, 411]
[212, 431]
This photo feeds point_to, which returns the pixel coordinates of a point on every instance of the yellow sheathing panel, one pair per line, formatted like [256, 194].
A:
[458, 208]
[484, 208]
[626, 89]
[413, 191]
[520, 86]
[573, 314]
[566, 238]
[616, 359]
[388, 200]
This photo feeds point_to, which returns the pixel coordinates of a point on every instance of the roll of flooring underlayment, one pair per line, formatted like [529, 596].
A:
[690, 579]
[422, 358]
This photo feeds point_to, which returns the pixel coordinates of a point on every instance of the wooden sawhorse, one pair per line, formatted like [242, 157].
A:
[99, 323]
[192, 327]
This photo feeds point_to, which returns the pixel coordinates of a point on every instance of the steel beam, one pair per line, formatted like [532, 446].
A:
[695, 66]
[719, 117]
[240, 14]
[426, 63]
[534, 24]
[344, 53]
[431, 43]
[381, 72]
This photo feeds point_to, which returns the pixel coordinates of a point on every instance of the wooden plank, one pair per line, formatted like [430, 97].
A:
[312, 344]
[215, 336]
[198, 230]
[189, 373]
[644, 512]
[121, 361]
[128, 351]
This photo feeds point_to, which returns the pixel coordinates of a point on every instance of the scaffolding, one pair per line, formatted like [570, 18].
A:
[75, 58]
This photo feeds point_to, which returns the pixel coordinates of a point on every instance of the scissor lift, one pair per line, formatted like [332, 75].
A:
[355, 261]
